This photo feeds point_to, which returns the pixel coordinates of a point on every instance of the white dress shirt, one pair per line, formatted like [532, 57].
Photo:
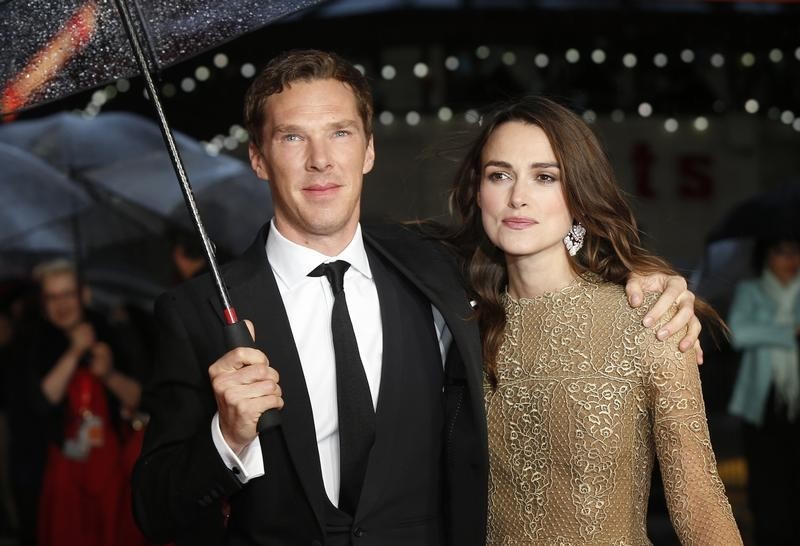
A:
[308, 302]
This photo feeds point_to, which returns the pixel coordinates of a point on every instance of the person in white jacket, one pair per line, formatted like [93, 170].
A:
[765, 325]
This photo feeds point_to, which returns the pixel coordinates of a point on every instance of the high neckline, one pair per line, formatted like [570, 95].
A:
[579, 281]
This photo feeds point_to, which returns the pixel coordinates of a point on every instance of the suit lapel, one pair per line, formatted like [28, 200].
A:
[255, 295]
[389, 399]
[434, 276]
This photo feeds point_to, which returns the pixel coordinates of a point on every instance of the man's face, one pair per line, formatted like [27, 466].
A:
[314, 154]
[62, 300]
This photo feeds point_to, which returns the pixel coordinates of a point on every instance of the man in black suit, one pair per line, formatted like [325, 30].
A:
[408, 466]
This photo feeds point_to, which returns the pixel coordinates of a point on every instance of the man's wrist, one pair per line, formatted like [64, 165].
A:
[247, 463]
[235, 447]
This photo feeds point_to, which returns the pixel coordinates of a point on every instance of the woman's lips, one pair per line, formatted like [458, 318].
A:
[519, 223]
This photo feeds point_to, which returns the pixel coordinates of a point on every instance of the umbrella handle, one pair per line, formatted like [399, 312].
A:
[237, 335]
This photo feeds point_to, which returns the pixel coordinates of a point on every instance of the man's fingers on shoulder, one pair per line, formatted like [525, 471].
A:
[678, 281]
[677, 323]
[698, 351]
[633, 289]
[692, 333]
[657, 311]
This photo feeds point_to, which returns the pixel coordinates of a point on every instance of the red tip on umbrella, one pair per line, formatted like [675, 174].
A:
[230, 316]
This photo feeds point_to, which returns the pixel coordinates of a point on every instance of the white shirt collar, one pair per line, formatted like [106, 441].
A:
[292, 263]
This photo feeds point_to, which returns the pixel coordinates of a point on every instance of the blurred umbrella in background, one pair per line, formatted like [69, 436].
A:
[728, 256]
[119, 159]
[102, 191]
[765, 216]
[49, 50]
[34, 194]
[45, 214]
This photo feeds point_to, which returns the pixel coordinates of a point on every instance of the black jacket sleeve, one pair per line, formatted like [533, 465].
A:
[180, 481]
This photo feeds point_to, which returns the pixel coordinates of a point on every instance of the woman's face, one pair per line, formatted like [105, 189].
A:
[783, 260]
[521, 194]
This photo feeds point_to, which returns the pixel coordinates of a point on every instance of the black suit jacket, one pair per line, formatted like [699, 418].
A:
[180, 482]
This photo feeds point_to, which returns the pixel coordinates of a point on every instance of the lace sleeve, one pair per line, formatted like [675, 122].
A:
[698, 507]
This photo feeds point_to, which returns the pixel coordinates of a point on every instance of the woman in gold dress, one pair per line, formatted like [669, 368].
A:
[580, 394]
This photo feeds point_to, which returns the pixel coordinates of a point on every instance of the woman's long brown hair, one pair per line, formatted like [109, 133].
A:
[612, 247]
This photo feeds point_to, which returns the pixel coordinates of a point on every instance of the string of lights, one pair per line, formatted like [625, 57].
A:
[729, 64]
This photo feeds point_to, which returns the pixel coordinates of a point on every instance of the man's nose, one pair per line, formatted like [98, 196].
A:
[319, 156]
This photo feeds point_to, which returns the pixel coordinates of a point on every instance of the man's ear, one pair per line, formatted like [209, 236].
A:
[369, 157]
[258, 162]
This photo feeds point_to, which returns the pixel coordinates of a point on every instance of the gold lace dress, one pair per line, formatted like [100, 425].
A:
[586, 397]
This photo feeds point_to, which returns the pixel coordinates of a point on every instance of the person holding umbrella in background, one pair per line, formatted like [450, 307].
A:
[382, 437]
[765, 325]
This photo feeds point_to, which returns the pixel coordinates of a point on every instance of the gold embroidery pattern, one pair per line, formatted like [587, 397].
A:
[586, 397]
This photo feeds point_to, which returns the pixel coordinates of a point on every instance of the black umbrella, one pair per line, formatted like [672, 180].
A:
[728, 256]
[52, 49]
[119, 159]
[45, 213]
[772, 214]
[33, 194]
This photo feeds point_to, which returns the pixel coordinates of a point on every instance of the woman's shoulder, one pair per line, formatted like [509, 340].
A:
[635, 345]
[613, 298]
[610, 300]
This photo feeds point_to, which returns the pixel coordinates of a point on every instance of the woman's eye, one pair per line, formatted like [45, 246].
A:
[549, 178]
[498, 176]
[341, 132]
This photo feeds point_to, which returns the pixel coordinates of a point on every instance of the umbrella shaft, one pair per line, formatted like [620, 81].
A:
[177, 162]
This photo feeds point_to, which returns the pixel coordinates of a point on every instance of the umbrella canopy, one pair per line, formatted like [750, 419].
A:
[728, 257]
[775, 213]
[52, 49]
[119, 251]
[34, 194]
[45, 214]
[119, 159]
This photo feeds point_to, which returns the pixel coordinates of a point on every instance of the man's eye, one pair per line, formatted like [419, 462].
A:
[292, 138]
[341, 132]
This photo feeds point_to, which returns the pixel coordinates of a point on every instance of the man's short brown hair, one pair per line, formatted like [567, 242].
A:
[303, 65]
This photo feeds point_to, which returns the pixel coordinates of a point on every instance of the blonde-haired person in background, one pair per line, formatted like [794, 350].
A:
[64, 398]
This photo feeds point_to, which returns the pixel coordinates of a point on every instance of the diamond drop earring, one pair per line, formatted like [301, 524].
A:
[574, 239]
